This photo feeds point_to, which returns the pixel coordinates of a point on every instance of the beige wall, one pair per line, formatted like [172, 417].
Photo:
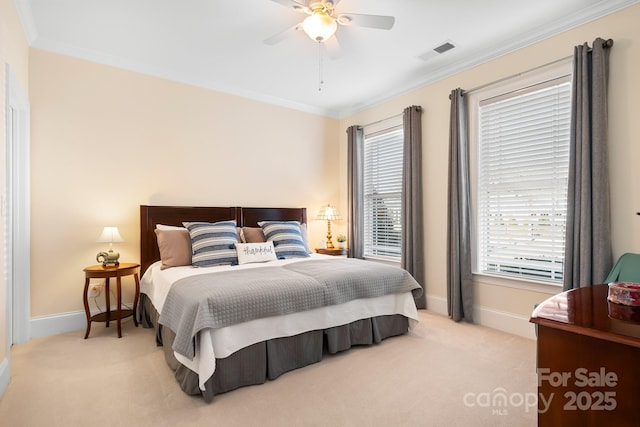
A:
[105, 141]
[14, 51]
[624, 111]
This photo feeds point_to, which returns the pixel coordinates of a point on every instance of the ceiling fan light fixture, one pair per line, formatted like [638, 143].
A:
[319, 26]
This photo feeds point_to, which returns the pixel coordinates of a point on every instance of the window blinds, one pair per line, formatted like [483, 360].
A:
[522, 182]
[383, 193]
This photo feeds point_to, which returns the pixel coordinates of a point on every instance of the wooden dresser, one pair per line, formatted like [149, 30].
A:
[588, 360]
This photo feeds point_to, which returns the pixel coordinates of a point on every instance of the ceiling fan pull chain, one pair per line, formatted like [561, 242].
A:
[320, 79]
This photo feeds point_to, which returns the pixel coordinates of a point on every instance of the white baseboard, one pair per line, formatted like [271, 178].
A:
[500, 320]
[45, 326]
[5, 375]
[437, 305]
[503, 321]
[58, 324]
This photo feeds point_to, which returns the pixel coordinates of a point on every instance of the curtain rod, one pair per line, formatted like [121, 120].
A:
[607, 44]
[382, 120]
[390, 118]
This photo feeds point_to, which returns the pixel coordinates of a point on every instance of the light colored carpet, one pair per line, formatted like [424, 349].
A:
[442, 374]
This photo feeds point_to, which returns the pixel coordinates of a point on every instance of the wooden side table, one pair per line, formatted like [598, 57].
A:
[107, 272]
[334, 252]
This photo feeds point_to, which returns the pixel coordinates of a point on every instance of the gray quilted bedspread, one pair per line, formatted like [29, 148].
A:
[216, 300]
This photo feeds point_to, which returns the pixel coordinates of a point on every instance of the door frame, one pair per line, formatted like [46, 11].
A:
[17, 210]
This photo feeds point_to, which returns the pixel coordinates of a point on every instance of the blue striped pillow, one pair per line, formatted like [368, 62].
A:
[286, 237]
[213, 243]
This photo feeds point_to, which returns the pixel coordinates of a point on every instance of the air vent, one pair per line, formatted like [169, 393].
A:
[438, 50]
[444, 47]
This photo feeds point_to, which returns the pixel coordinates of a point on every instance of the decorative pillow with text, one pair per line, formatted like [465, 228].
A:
[255, 252]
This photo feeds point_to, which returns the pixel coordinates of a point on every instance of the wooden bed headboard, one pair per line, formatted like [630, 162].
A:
[150, 216]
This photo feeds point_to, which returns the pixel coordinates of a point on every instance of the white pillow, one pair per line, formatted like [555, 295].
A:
[305, 238]
[168, 227]
[255, 252]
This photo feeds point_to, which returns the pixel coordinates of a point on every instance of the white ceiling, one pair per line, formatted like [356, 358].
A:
[219, 44]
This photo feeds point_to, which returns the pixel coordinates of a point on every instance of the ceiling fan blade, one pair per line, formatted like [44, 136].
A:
[332, 46]
[277, 38]
[380, 22]
[299, 6]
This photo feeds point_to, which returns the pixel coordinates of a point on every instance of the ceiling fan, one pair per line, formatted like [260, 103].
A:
[322, 21]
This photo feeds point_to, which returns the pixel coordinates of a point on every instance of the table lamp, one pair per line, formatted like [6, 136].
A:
[329, 213]
[109, 235]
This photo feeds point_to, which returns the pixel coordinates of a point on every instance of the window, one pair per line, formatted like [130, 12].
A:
[382, 182]
[522, 158]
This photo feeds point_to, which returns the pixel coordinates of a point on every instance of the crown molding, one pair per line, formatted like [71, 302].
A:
[431, 76]
[26, 19]
[151, 70]
[549, 30]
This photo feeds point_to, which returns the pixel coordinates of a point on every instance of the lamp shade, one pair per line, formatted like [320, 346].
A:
[329, 213]
[110, 235]
[319, 26]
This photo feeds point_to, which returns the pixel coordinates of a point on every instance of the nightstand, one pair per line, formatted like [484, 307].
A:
[106, 273]
[334, 251]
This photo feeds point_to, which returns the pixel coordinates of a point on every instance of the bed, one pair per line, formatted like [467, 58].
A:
[304, 307]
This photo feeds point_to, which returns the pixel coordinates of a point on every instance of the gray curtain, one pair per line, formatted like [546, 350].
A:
[412, 258]
[588, 256]
[354, 192]
[459, 279]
